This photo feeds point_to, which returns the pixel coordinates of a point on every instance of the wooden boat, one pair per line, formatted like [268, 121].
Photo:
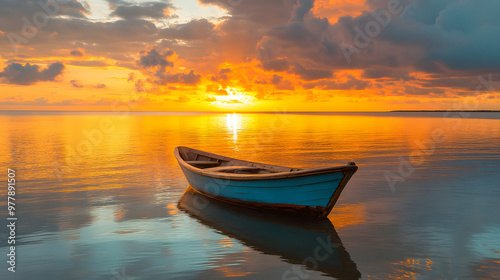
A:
[311, 192]
[313, 243]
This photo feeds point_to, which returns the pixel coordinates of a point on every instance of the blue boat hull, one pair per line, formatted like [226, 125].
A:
[311, 192]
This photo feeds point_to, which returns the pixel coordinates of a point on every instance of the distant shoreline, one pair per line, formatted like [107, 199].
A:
[441, 111]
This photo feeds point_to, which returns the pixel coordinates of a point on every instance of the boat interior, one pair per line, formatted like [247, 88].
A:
[216, 163]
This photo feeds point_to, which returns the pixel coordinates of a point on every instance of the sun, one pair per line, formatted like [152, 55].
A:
[235, 98]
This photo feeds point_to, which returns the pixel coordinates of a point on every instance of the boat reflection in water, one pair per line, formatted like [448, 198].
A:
[313, 243]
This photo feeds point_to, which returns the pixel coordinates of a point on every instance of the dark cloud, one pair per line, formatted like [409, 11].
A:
[76, 84]
[155, 10]
[278, 65]
[280, 83]
[311, 74]
[76, 53]
[154, 63]
[155, 59]
[418, 91]
[89, 63]
[382, 73]
[222, 75]
[266, 12]
[276, 79]
[443, 37]
[198, 29]
[224, 71]
[28, 74]
[189, 78]
[70, 8]
[102, 39]
[79, 84]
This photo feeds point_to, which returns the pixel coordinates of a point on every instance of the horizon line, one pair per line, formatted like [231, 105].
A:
[253, 112]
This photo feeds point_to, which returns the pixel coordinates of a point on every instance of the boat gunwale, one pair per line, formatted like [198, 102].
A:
[346, 169]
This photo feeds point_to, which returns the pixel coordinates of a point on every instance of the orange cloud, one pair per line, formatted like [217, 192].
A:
[333, 9]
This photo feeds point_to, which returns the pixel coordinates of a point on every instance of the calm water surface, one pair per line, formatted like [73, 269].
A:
[99, 197]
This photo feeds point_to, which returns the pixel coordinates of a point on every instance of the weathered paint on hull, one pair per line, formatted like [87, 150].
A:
[306, 191]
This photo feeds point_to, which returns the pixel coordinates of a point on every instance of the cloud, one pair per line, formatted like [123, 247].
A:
[154, 59]
[79, 84]
[207, 45]
[89, 63]
[278, 64]
[78, 52]
[347, 82]
[154, 63]
[155, 10]
[311, 74]
[280, 83]
[444, 38]
[76, 84]
[444, 43]
[42, 101]
[28, 74]
[222, 75]
[73, 8]
[333, 9]
[189, 78]
[105, 39]
[197, 29]
[224, 71]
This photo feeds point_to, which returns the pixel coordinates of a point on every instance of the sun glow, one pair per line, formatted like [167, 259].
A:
[234, 97]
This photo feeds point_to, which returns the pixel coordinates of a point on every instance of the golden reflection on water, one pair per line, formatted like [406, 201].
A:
[233, 123]
[347, 214]
[111, 178]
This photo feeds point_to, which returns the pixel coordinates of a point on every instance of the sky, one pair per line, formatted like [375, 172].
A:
[249, 55]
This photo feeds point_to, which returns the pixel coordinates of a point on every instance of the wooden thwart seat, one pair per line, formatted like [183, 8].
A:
[224, 168]
[203, 162]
